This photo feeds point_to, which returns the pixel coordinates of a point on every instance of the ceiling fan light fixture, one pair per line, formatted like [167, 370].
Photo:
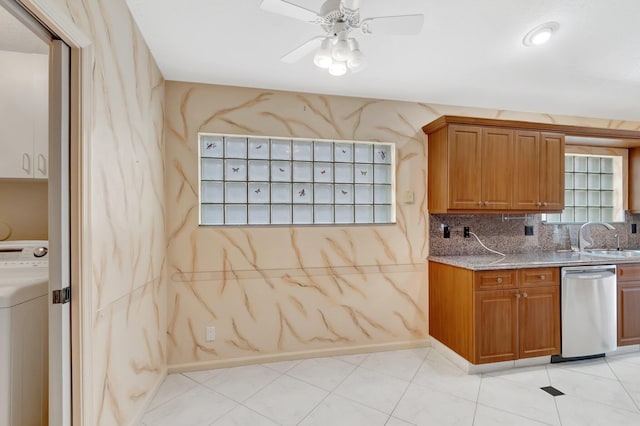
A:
[356, 61]
[341, 50]
[540, 34]
[322, 58]
[338, 68]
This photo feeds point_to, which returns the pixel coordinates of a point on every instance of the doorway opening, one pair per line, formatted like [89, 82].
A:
[35, 198]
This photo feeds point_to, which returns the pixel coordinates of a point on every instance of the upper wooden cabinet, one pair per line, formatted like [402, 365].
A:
[634, 180]
[494, 169]
[479, 168]
[538, 179]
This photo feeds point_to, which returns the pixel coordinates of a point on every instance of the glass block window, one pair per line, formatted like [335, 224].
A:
[276, 181]
[593, 190]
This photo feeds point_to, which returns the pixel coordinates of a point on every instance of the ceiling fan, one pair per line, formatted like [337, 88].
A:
[337, 50]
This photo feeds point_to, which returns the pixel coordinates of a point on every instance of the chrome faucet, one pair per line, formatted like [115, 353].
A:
[584, 243]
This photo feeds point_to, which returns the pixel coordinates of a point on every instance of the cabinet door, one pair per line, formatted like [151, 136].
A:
[39, 117]
[552, 171]
[526, 171]
[539, 321]
[496, 164]
[495, 318]
[629, 313]
[464, 167]
[16, 126]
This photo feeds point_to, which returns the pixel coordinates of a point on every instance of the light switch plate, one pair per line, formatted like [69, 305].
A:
[407, 197]
[210, 334]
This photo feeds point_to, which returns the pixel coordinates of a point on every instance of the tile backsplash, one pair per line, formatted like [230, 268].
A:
[505, 233]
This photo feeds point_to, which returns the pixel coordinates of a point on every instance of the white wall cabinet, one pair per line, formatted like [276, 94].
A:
[24, 130]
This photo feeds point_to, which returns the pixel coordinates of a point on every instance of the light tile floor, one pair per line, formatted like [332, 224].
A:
[400, 388]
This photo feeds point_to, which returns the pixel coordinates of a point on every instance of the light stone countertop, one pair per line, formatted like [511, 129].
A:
[531, 260]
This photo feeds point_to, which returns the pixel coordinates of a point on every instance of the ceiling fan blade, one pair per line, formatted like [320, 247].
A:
[393, 25]
[303, 50]
[289, 9]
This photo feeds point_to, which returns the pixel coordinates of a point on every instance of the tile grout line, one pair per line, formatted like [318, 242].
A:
[409, 383]
[475, 409]
[555, 402]
[175, 396]
[329, 392]
[623, 386]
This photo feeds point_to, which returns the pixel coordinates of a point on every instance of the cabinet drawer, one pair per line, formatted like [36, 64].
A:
[486, 280]
[629, 272]
[537, 277]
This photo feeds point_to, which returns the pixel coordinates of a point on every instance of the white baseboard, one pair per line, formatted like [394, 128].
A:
[623, 350]
[289, 356]
[470, 368]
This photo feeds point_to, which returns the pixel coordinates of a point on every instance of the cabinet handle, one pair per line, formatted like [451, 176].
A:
[26, 163]
[524, 295]
[42, 164]
[517, 295]
[499, 280]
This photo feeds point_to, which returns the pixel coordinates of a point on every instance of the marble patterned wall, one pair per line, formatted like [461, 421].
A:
[126, 215]
[273, 290]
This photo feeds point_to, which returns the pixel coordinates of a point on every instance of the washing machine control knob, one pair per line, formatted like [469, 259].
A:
[40, 251]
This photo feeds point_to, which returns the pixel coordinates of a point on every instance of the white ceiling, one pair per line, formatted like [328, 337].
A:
[469, 53]
[16, 37]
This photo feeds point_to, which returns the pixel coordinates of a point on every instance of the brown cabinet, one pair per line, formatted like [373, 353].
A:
[634, 180]
[496, 325]
[539, 321]
[516, 313]
[479, 168]
[628, 304]
[493, 168]
[538, 170]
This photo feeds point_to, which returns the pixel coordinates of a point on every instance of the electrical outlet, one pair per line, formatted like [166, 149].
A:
[211, 333]
[634, 228]
[446, 231]
[528, 230]
[466, 232]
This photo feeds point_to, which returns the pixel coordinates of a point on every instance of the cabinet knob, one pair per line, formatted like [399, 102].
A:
[544, 204]
[479, 203]
[539, 204]
[486, 203]
[524, 294]
[517, 295]
[542, 277]
[499, 280]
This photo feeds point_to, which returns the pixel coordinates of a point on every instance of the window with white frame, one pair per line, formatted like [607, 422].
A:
[248, 180]
[593, 189]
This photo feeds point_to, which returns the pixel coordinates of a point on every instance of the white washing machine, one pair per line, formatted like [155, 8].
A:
[24, 282]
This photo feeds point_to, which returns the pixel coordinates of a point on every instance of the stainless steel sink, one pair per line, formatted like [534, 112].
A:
[613, 252]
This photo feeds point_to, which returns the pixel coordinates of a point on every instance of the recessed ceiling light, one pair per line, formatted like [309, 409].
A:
[540, 34]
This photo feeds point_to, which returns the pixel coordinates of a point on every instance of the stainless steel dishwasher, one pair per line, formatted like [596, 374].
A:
[588, 310]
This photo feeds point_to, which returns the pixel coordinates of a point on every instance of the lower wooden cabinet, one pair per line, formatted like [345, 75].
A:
[496, 325]
[520, 321]
[628, 304]
[539, 322]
